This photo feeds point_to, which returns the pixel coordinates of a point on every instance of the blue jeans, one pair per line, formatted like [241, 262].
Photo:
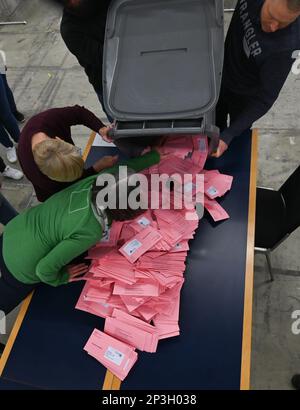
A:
[8, 123]
[7, 212]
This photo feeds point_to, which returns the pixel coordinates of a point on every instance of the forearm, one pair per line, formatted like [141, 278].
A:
[143, 162]
[79, 115]
[253, 112]
[52, 278]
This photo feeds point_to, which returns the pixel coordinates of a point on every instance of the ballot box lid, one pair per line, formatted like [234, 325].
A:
[162, 58]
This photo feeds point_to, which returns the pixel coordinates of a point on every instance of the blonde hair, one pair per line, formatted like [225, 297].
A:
[58, 160]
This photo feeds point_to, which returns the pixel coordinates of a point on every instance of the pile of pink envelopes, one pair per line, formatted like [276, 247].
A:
[136, 272]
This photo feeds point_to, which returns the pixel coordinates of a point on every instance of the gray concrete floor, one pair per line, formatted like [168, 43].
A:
[44, 74]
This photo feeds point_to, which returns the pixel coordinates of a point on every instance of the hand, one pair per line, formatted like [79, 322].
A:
[76, 270]
[104, 133]
[221, 149]
[105, 162]
[146, 150]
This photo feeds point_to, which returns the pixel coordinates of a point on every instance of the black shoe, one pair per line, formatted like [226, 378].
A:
[296, 381]
[19, 116]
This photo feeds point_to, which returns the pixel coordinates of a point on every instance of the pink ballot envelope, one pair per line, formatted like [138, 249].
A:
[209, 174]
[217, 185]
[142, 222]
[174, 165]
[101, 309]
[112, 235]
[144, 287]
[96, 293]
[132, 303]
[97, 252]
[127, 332]
[140, 244]
[127, 233]
[200, 152]
[125, 317]
[178, 146]
[216, 211]
[115, 355]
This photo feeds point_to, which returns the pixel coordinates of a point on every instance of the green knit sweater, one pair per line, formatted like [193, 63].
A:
[39, 243]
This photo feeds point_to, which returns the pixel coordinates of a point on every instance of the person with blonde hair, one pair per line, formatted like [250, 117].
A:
[53, 236]
[48, 155]
[58, 159]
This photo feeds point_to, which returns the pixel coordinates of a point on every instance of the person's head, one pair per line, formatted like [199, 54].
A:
[125, 198]
[83, 8]
[58, 160]
[278, 14]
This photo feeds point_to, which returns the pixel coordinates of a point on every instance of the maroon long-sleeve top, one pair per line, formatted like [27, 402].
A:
[55, 122]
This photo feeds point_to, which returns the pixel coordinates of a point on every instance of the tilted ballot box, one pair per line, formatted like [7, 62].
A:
[162, 66]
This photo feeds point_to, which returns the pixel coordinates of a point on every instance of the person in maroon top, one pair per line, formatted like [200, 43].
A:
[47, 153]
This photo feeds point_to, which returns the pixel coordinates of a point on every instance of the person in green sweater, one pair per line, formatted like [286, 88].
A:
[40, 244]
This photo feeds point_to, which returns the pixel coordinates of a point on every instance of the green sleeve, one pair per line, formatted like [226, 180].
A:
[52, 268]
[142, 162]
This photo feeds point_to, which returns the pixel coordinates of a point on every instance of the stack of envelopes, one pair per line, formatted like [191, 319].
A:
[136, 271]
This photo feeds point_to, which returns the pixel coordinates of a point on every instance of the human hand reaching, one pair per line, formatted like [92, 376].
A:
[220, 150]
[105, 162]
[75, 271]
[104, 133]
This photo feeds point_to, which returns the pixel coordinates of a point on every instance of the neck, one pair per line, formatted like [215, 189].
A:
[39, 137]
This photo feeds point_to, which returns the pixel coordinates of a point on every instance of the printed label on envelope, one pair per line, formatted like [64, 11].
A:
[144, 221]
[132, 247]
[114, 355]
[212, 191]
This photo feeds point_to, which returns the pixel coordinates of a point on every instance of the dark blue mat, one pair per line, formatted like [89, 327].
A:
[11, 385]
[207, 354]
[48, 350]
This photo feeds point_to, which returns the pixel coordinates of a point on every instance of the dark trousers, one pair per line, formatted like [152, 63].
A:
[12, 291]
[7, 212]
[8, 123]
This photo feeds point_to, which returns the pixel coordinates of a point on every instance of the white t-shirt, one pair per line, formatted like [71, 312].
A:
[2, 62]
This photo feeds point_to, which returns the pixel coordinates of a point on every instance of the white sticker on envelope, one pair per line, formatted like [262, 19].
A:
[132, 247]
[212, 191]
[114, 355]
[144, 221]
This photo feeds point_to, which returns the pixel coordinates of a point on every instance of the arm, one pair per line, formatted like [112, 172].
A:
[78, 43]
[52, 268]
[142, 162]
[273, 75]
[77, 115]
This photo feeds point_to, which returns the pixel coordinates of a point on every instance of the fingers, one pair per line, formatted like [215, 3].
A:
[79, 273]
[111, 159]
[79, 269]
[104, 133]
[106, 138]
[216, 154]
